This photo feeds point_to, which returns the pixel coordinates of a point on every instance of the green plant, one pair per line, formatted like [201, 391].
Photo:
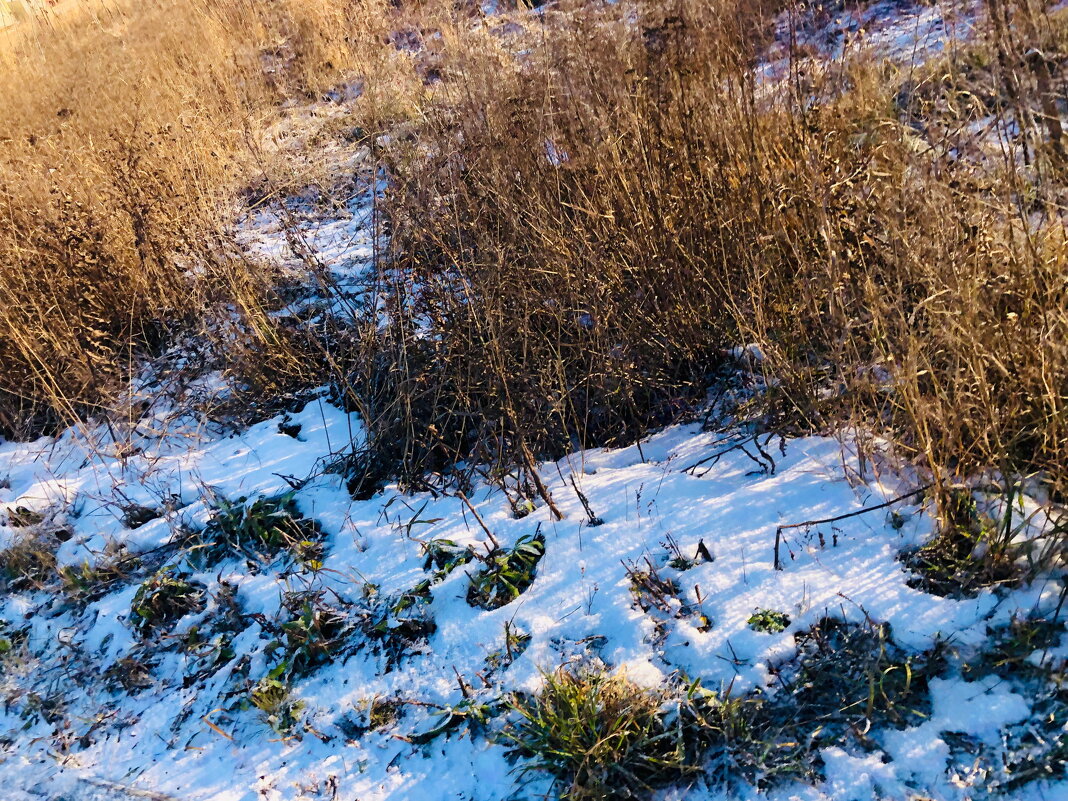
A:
[768, 621]
[86, 582]
[261, 529]
[10, 640]
[603, 737]
[680, 561]
[445, 556]
[209, 652]
[209, 643]
[163, 599]
[313, 635]
[272, 697]
[506, 574]
[417, 595]
[399, 623]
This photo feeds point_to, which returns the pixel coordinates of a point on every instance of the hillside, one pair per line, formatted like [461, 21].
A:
[590, 401]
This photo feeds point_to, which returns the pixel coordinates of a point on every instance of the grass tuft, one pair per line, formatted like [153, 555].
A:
[164, 599]
[601, 736]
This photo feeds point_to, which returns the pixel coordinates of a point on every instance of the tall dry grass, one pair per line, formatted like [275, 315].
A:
[580, 233]
[128, 132]
[587, 207]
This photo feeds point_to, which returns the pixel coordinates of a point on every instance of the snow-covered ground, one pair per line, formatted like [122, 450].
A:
[821, 38]
[68, 732]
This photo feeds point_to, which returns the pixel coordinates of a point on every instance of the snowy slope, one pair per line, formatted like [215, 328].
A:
[188, 739]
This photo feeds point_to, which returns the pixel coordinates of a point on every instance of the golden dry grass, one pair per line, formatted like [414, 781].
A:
[587, 207]
[128, 132]
[598, 221]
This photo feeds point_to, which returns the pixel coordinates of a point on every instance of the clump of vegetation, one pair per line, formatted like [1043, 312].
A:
[311, 637]
[383, 712]
[844, 680]
[397, 625]
[260, 530]
[653, 591]
[165, 598]
[371, 714]
[968, 554]
[272, 696]
[209, 643]
[91, 232]
[131, 673]
[87, 582]
[23, 517]
[1013, 645]
[416, 596]
[29, 562]
[51, 708]
[1036, 749]
[134, 515]
[1019, 653]
[314, 633]
[768, 621]
[506, 573]
[209, 650]
[680, 561]
[603, 737]
[445, 556]
[661, 598]
[849, 673]
[11, 639]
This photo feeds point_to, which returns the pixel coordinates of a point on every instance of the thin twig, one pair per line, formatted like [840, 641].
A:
[836, 518]
[478, 517]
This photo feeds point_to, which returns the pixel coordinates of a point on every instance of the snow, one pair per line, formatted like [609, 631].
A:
[897, 31]
[578, 608]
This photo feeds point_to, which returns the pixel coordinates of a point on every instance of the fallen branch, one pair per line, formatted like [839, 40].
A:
[478, 517]
[766, 464]
[836, 518]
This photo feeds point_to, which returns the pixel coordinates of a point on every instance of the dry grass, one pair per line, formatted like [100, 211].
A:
[581, 232]
[128, 133]
[587, 207]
